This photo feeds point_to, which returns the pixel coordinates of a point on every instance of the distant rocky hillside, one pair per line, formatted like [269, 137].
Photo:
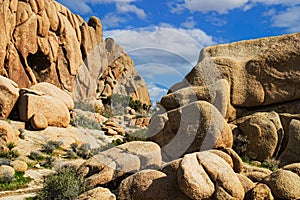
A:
[42, 41]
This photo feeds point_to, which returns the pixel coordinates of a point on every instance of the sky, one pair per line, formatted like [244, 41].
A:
[164, 37]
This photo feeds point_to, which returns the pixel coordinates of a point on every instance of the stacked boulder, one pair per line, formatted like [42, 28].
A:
[252, 86]
[41, 105]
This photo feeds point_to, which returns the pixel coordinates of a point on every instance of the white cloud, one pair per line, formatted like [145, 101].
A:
[289, 19]
[111, 20]
[189, 23]
[185, 43]
[162, 55]
[205, 6]
[129, 8]
[156, 92]
[211, 5]
[85, 6]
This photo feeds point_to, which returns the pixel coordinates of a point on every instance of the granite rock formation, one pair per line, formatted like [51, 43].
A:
[43, 41]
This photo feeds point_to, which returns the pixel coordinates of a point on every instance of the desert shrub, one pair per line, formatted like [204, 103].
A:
[48, 163]
[271, 164]
[85, 105]
[50, 146]
[17, 182]
[84, 122]
[63, 185]
[36, 156]
[11, 153]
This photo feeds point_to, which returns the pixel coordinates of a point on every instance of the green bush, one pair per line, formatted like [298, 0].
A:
[10, 154]
[36, 156]
[19, 181]
[63, 185]
[50, 146]
[84, 122]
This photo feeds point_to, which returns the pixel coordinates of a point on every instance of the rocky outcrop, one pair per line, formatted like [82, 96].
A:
[119, 161]
[196, 126]
[259, 72]
[9, 94]
[254, 86]
[284, 184]
[54, 110]
[42, 41]
[7, 135]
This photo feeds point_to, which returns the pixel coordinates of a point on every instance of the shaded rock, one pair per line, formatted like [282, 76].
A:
[116, 162]
[256, 176]
[38, 122]
[52, 90]
[284, 184]
[6, 174]
[259, 192]
[295, 167]
[7, 135]
[246, 182]
[292, 151]
[217, 94]
[19, 166]
[97, 194]
[194, 127]
[54, 110]
[261, 132]
[9, 94]
[238, 164]
[147, 184]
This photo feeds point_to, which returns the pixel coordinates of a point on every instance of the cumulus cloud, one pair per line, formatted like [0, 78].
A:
[288, 19]
[129, 8]
[162, 53]
[189, 23]
[122, 6]
[111, 20]
[156, 91]
[205, 6]
[178, 41]
[212, 5]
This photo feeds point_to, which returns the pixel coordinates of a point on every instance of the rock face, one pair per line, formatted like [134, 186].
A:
[7, 135]
[254, 86]
[44, 42]
[284, 184]
[259, 72]
[9, 94]
[196, 126]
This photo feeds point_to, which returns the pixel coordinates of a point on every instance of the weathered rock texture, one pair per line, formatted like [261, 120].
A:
[42, 41]
[254, 86]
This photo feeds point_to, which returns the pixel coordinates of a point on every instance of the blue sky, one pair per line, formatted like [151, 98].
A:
[164, 37]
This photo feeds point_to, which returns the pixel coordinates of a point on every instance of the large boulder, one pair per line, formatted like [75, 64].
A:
[53, 109]
[119, 161]
[9, 94]
[263, 133]
[97, 194]
[148, 185]
[292, 151]
[52, 90]
[205, 175]
[194, 127]
[284, 184]
[259, 72]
